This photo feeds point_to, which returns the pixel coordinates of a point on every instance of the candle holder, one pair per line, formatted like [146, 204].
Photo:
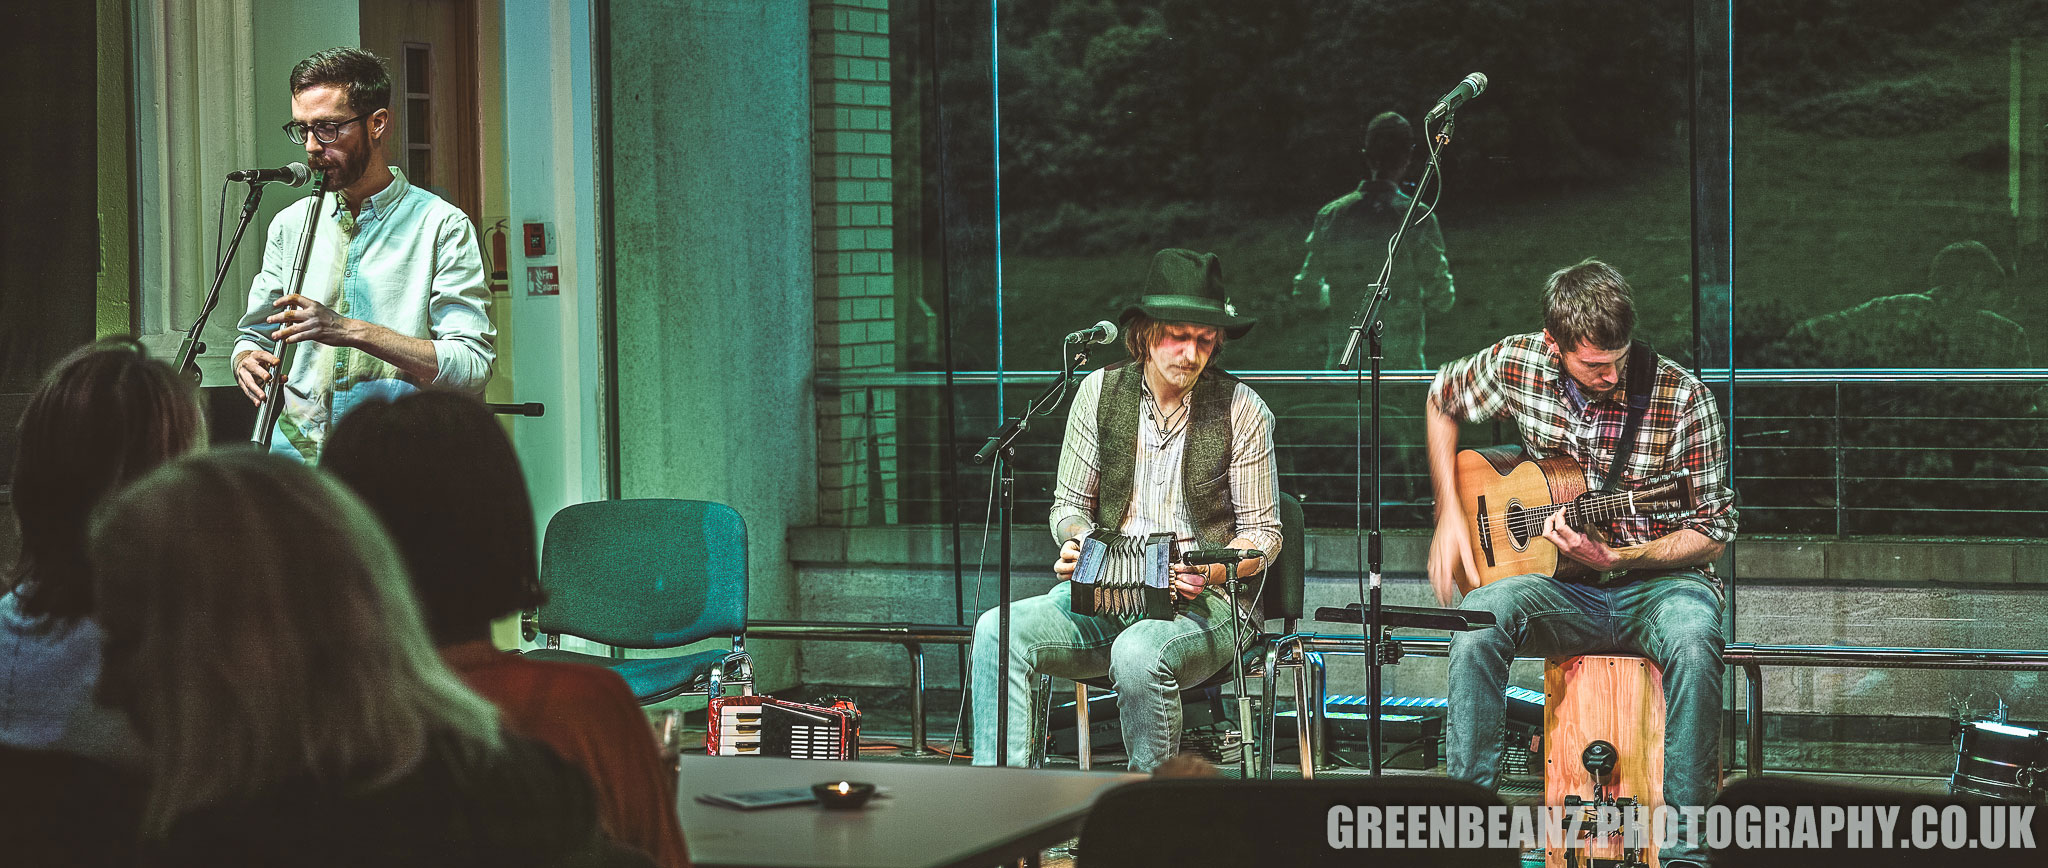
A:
[843, 795]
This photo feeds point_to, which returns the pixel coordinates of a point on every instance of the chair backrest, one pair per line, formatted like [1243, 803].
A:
[650, 573]
[1290, 822]
[1282, 596]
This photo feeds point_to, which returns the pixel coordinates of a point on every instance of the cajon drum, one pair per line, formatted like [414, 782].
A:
[1618, 699]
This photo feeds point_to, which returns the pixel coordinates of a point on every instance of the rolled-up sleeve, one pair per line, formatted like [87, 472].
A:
[1700, 445]
[1254, 477]
[1073, 494]
[1471, 389]
[252, 333]
[464, 339]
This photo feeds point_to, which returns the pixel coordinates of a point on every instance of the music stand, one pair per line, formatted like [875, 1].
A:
[1382, 650]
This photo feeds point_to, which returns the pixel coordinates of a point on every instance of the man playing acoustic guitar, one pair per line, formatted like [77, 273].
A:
[1647, 585]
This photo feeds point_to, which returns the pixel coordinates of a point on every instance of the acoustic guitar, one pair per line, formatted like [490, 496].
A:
[1507, 497]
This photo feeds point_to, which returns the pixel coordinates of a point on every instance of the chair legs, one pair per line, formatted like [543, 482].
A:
[1256, 735]
[1081, 724]
[1043, 719]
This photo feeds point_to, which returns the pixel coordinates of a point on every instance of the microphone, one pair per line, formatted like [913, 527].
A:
[1103, 332]
[1199, 557]
[1473, 85]
[294, 175]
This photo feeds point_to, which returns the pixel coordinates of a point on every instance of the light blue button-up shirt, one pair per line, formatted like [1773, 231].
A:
[408, 261]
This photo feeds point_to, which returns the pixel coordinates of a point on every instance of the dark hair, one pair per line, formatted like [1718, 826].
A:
[1388, 140]
[1142, 333]
[363, 74]
[1588, 303]
[440, 473]
[1965, 265]
[106, 416]
[245, 671]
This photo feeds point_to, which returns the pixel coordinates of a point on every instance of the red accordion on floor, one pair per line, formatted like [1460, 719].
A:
[766, 726]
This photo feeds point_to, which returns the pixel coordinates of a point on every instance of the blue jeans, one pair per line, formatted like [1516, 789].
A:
[1147, 661]
[1672, 618]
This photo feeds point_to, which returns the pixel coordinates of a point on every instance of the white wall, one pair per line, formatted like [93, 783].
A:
[550, 177]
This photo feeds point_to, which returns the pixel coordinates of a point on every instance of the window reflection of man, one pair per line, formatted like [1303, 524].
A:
[1348, 245]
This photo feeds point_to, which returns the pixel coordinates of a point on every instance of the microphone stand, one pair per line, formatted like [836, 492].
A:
[273, 397]
[1002, 448]
[1368, 329]
[1232, 584]
[190, 348]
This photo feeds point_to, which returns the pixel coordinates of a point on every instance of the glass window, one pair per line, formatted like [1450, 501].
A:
[1888, 208]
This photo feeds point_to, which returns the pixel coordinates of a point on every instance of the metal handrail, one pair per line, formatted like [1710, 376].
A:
[1750, 657]
[850, 380]
[913, 638]
[897, 632]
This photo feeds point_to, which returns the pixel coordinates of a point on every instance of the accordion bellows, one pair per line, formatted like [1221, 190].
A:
[1124, 576]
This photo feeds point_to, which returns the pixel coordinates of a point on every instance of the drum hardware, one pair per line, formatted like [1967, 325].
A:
[2001, 761]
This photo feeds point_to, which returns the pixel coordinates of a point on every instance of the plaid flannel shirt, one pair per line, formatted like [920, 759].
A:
[1518, 378]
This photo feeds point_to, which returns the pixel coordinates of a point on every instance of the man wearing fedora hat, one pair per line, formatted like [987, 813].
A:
[1162, 443]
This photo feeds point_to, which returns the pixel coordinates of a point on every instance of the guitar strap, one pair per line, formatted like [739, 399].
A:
[1642, 378]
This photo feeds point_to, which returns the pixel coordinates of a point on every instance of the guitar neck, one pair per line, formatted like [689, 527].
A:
[1594, 508]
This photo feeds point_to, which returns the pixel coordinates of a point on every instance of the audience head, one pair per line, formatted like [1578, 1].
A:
[260, 628]
[1186, 764]
[440, 473]
[107, 415]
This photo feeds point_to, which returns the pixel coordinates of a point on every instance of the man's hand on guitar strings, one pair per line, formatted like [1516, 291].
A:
[1450, 559]
[1578, 546]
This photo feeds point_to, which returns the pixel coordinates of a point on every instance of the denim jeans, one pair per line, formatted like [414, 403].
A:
[1148, 662]
[1672, 618]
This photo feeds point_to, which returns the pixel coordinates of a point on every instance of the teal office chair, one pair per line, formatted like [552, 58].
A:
[647, 574]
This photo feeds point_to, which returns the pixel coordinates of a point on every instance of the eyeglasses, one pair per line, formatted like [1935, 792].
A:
[325, 131]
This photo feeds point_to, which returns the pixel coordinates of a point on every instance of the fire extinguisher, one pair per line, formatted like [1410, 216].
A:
[497, 235]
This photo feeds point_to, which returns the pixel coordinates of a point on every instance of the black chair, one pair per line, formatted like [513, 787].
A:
[1281, 600]
[1217, 821]
[1844, 848]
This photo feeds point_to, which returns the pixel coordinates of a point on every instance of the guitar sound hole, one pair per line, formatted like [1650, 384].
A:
[1513, 519]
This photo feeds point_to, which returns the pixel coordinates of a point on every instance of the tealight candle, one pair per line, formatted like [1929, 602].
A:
[843, 794]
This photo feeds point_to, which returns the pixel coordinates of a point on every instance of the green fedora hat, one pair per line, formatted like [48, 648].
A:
[1185, 286]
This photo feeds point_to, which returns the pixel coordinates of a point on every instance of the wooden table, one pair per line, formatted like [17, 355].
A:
[934, 814]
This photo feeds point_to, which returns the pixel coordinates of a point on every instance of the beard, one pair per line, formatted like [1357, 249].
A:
[1592, 394]
[345, 171]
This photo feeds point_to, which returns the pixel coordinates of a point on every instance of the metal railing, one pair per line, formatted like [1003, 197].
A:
[1828, 452]
[912, 638]
[1304, 651]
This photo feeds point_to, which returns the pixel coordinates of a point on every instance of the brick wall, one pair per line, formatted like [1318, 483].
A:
[853, 219]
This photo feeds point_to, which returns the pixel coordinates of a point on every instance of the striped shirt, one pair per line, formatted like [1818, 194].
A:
[1519, 379]
[1157, 495]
